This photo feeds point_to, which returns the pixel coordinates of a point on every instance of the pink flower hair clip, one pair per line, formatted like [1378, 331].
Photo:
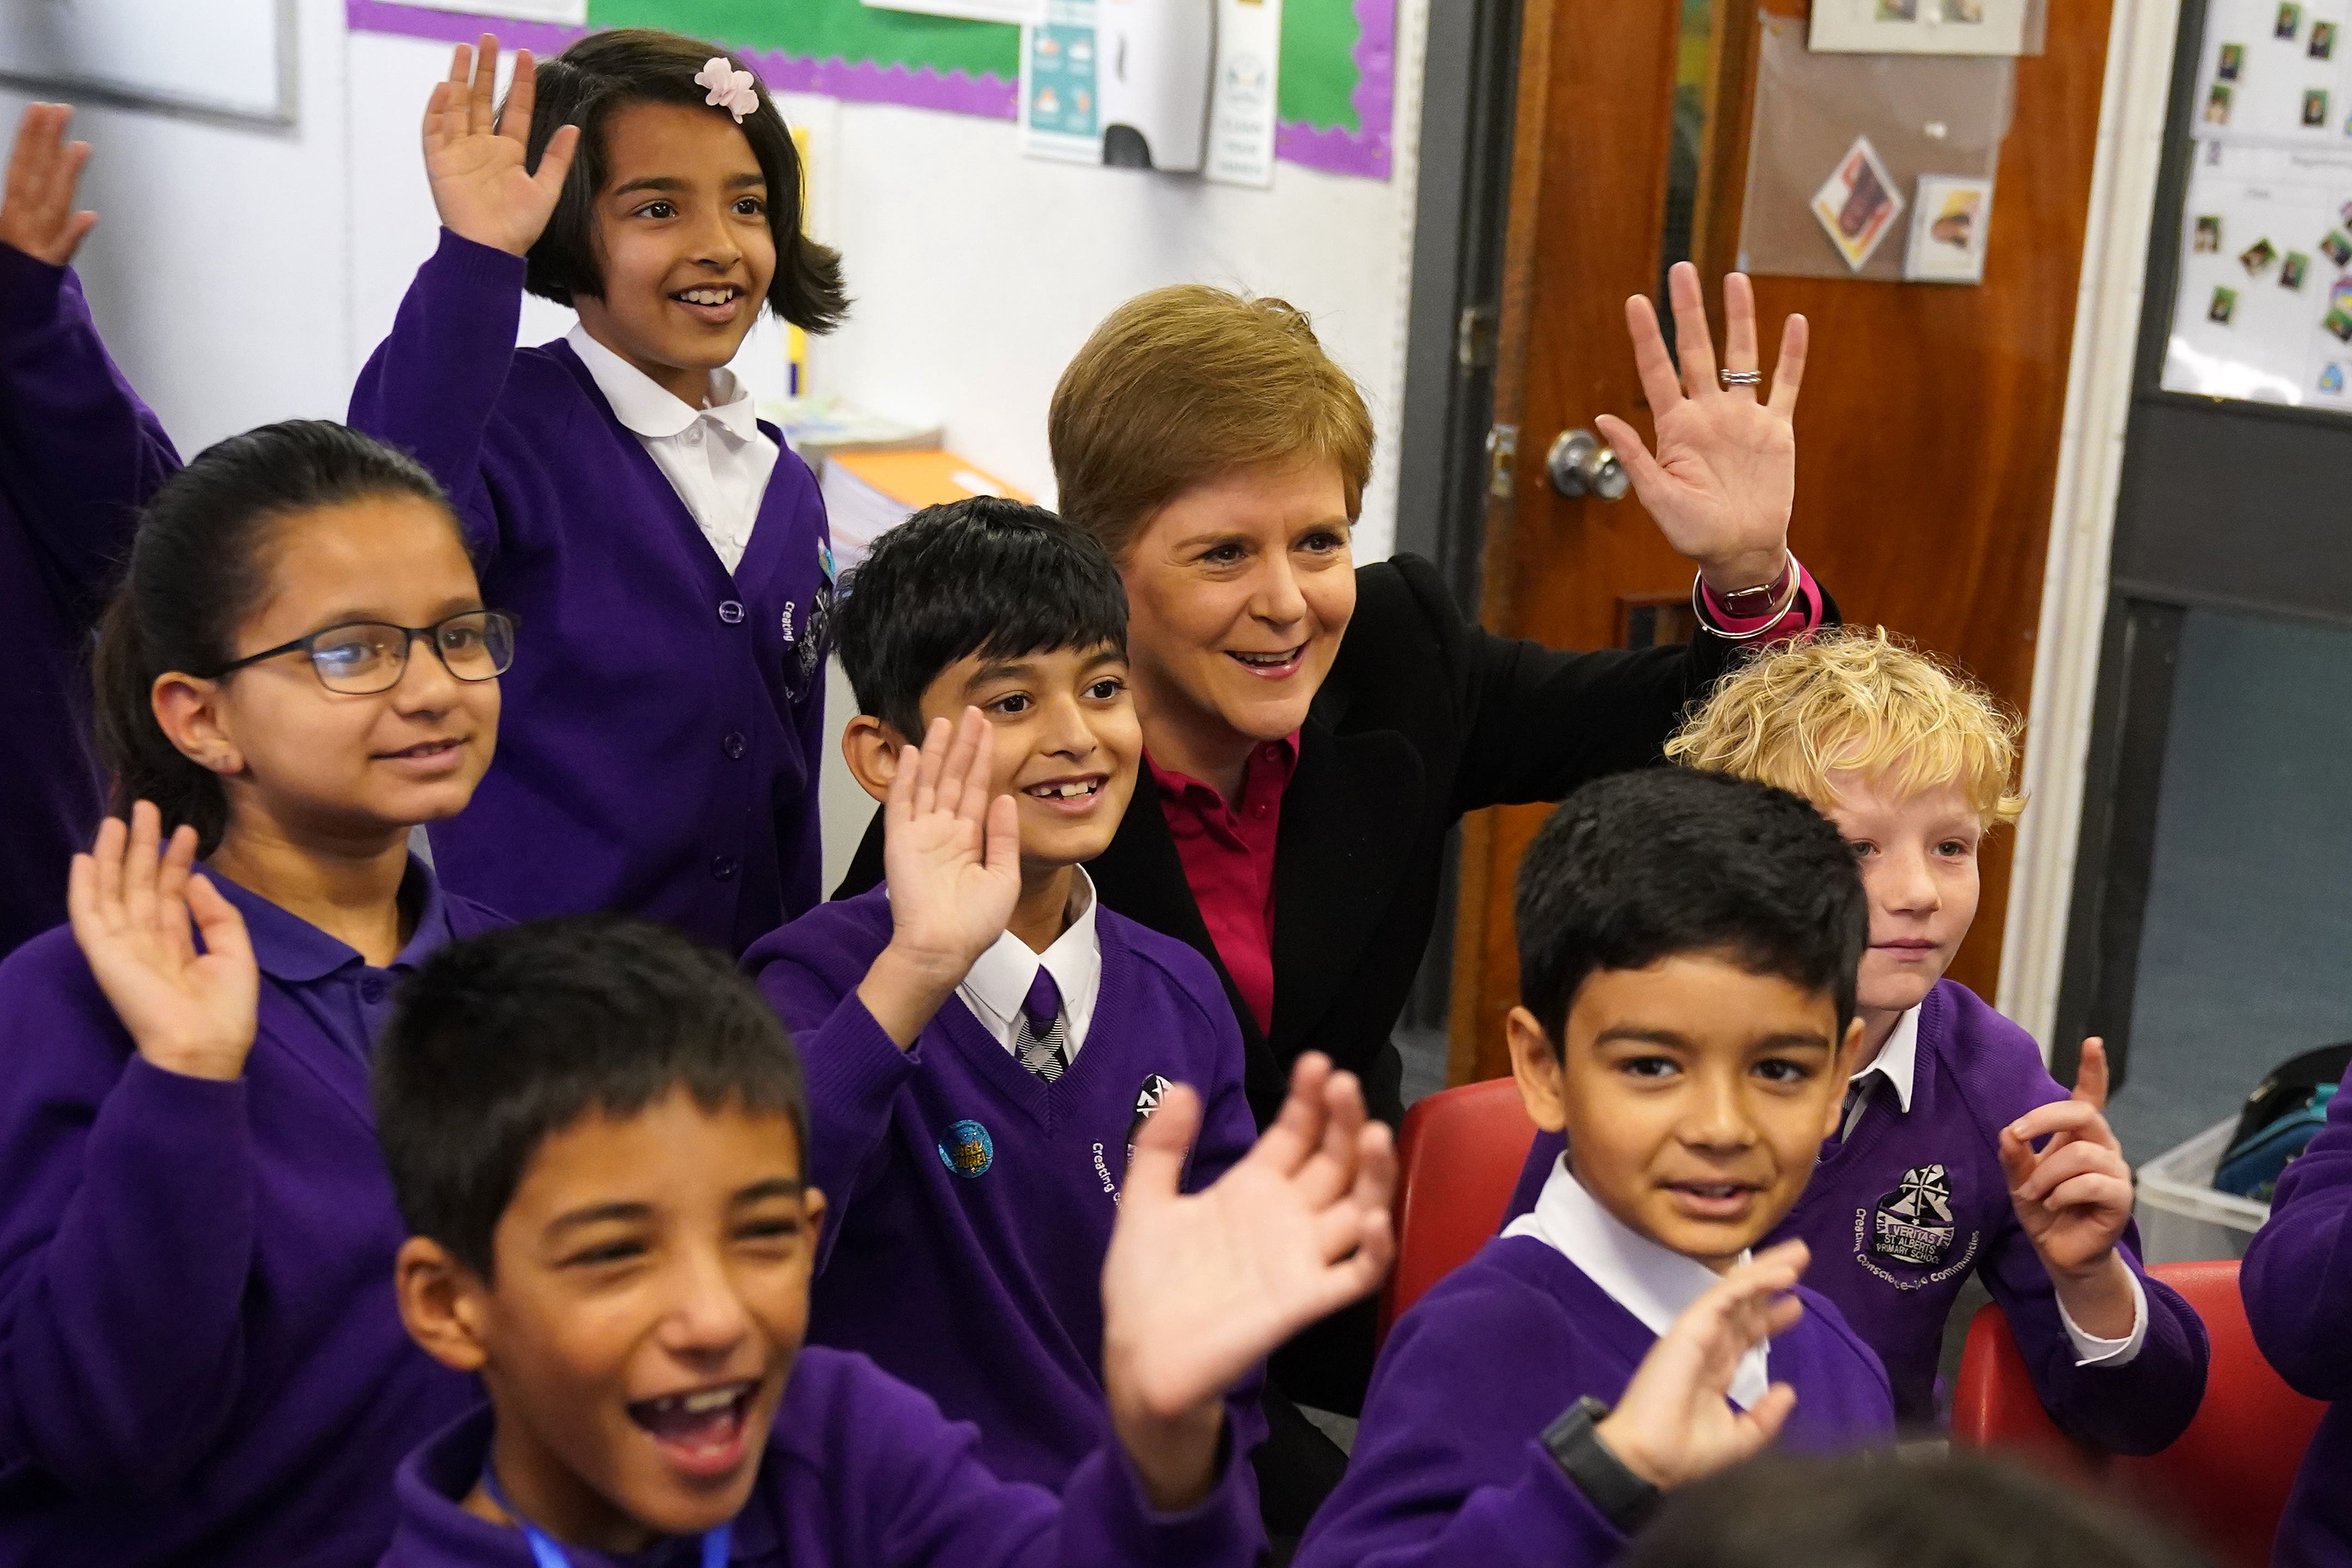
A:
[730, 89]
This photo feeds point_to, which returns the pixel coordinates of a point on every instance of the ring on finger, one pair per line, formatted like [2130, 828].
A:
[1742, 377]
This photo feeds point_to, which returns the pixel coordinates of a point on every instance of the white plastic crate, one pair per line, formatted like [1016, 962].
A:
[2181, 1218]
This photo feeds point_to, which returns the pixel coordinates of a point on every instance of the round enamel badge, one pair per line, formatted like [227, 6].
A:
[966, 1149]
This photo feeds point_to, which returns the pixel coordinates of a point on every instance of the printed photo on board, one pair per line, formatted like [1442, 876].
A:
[2209, 235]
[2323, 40]
[2257, 255]
[2290, 22]
[2336, 247]
[2225, 300]
[2217, 105]
[2233, 60]
[2291, 271]
[2315, 106]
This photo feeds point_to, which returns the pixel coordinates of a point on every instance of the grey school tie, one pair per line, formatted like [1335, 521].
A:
[1857, 1100]
[1041, 1041]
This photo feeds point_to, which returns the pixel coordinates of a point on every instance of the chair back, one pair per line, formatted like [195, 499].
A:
[1458, 1158]
[2224, 1481]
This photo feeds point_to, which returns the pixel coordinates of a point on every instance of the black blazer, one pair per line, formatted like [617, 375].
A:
[1425, 716]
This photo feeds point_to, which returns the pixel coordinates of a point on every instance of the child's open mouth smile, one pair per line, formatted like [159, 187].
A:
[713, 304]
[1721, 1202]
[427, 759]
[1278, 666]
[1072, 796]
[701, 1432]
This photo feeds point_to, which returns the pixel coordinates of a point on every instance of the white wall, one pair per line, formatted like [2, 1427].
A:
[243, 275]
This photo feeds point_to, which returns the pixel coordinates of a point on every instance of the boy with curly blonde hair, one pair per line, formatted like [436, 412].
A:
[1933, 1173]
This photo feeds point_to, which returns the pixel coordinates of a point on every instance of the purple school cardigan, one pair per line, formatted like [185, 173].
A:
[971, 1203]
[79, 456]
[200, 1359]
[2297, 1283]
[1449, 1467]
[658, 751]
[862, 1471]
[1895, 1282]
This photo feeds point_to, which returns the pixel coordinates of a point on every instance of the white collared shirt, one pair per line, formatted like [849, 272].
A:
[716, 457]
[1655, 1283]
[1898, 1060]
[999, 979]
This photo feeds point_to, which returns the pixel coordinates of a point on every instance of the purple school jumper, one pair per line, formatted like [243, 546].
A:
[1896, 1281]
[2297, 1283]
[79, 455]
[658, 753]
[861, 1471]
[1449, 1467]
[970, 1202]
[200, 1360]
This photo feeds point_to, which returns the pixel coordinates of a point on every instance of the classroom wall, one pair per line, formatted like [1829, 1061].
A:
[242, 275]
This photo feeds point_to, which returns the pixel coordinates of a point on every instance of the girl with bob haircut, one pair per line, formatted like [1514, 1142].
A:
[1314, 731]
[203, 1364]
[1933, 1178]
[671, 554]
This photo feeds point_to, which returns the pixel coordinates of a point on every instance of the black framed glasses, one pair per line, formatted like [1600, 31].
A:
[359, 659]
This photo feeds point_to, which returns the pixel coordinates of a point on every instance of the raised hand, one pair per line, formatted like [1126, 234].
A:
[2074, 1197]
[1675, 1423]
[1198, 1289]
[36, 214]
[474, 155]
[952, 854]
[1724, 478]
[131, 900]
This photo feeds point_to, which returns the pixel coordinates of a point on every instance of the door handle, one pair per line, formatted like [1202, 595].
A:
[1581, 465]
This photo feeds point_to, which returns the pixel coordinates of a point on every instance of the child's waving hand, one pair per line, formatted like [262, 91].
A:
[475, 156]
[131, 901]
[1199, 1288]
[951, 856]
[38, 215]
[2074, 1197]
[1724, 479]
[1674, 1423]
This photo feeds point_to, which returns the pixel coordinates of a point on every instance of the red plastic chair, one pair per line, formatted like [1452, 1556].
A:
[2225, 1482]
[1458, 1157]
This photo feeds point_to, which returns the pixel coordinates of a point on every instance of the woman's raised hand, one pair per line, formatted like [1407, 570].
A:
[475, 156]
[1724, 478]
[133, 900]
[36, 214]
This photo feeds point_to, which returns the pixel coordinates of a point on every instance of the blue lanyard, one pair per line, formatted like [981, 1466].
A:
[546, 1554]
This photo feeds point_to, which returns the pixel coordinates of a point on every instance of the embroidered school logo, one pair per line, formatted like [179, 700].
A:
[968, 1150]
[1148, 1096]
[1914, 1223]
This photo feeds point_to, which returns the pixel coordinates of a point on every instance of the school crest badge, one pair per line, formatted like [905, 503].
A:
[1913, 1224]
[1154, 1090]
[967, 1150]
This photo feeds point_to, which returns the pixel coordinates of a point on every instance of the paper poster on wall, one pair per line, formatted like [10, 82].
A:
[1058, 97]
[1951, 220]
[1241, 102]
[2263, 307]
[1924, 27]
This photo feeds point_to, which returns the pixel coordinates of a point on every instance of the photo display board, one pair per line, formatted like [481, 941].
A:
[2264, 306]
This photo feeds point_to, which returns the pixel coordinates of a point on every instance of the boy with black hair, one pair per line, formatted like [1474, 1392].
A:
[595, 1130]
[984, 1040]
[1687, 949]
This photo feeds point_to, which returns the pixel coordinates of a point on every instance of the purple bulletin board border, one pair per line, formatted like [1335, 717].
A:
[1365, 154]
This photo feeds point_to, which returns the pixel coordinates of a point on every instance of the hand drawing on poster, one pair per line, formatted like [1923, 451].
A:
[1857, 203]
[1921, 26]
[1950, 222]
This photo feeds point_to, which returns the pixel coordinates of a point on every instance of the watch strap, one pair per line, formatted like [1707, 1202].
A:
[1625, 1499]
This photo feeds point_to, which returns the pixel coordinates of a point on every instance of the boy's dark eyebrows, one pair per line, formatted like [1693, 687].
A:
[600, 1213]
[1793, 1040]
[1636, 1034]
[1001, 669]
[774, 1188]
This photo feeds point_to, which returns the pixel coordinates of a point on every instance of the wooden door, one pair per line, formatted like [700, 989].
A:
[1928, 432]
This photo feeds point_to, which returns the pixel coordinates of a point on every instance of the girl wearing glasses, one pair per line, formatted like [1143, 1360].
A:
[203, 1362]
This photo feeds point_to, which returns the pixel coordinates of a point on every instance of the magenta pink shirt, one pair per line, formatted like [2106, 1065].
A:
[1227, 852]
